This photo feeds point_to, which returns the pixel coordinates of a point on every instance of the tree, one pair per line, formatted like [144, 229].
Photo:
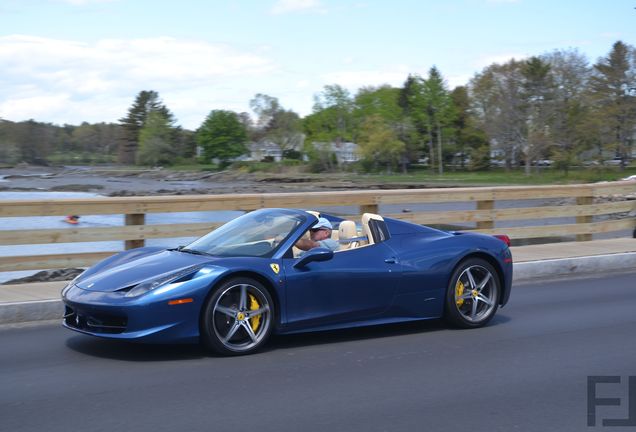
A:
[222, 136]
[265, 107]
[439, 110]
[31, 141]
[571, 109]
[9, 149]
[334, 106]
[470, 139]
[613, 90]
[275, 124]
[383, 101]
[428, 103]
[145, 103]
[285, 130]
[538, 95]
[379, 144]
[411, 100]
[155, 141]
[92, 142]
[497, 102]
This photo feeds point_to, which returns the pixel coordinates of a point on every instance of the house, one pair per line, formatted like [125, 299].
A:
[345, 152]
[265, 150]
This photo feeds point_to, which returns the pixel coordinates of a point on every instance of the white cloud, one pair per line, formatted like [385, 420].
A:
[612, 35]
[486, 60]
[290, 6]
[354, 79]
[458, 80]
[66, 81]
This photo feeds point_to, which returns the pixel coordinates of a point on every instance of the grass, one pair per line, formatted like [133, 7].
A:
[497, 176]
[194, 167]
[513, 177]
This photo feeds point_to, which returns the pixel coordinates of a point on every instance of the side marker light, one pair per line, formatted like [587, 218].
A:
[180, 301]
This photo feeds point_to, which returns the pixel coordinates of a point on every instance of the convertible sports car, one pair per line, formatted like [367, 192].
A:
[233, 287]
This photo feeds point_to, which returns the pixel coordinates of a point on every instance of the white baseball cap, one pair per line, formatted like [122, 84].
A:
[322, 223]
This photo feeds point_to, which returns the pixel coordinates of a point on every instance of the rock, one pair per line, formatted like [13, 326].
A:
[76, 187]
[47, 276]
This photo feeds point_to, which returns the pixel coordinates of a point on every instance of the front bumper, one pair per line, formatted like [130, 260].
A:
[148, 318]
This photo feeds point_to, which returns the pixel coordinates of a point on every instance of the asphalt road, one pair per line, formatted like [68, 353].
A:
[526, 371]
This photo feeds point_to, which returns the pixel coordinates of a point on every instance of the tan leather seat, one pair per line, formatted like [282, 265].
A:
[347, 230]
[365, 225]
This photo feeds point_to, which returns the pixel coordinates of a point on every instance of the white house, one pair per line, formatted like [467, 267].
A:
[265, 149]
[346, 152]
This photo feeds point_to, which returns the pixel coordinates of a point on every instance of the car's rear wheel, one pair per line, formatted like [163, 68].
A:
[237, 318]
[472, 297]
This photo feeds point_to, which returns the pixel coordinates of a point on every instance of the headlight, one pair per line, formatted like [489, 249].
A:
[152, 284]
[70, 284]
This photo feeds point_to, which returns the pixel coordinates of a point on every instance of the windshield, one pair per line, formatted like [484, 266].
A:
[253, 234]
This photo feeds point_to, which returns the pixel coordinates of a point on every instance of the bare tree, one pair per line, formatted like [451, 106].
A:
[498, 104]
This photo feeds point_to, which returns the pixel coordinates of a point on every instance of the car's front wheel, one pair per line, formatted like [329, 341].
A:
[238, 317]
[472, 296]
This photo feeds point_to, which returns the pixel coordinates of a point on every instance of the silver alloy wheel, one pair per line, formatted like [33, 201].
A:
[241, 317]
[476, 293]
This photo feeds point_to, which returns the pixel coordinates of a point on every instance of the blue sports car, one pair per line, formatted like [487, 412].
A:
[232, 288]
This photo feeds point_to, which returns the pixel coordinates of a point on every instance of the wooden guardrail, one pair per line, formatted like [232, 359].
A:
[587, 203]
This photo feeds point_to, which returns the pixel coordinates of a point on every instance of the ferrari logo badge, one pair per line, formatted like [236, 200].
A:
[275, 268]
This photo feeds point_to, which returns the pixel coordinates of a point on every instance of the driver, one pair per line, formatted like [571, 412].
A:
[319, 236]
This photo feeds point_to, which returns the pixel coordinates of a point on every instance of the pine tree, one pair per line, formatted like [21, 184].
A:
[614, 91]
[439, 110]
[145, 103]
[538, 96]
[155, 141]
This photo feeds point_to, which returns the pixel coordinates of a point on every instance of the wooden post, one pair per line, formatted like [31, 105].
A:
[135, 219]
[486, 205]
[369, 208]
[584, 219]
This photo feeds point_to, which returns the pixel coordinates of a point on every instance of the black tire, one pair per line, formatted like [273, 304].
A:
[472, 296]
[238, 318]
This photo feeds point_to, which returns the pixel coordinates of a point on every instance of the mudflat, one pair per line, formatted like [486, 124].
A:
[131, 181]
[116, 181]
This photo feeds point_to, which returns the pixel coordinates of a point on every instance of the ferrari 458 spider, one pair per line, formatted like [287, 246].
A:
[234, 287]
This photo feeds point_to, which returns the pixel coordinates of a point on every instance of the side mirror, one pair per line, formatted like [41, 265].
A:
[316, 254]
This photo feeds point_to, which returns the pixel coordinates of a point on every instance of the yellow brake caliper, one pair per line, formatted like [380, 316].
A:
[254, 321]
[459, 291]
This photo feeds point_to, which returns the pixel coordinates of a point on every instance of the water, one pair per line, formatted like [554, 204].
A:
[90, 221]
[56, 222]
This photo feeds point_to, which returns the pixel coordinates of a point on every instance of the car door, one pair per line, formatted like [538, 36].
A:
[354, 285]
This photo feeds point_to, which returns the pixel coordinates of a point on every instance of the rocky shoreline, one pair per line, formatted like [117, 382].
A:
[114, 181]
[47, 276]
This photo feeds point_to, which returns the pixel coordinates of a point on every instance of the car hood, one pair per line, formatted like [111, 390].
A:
[140, 269]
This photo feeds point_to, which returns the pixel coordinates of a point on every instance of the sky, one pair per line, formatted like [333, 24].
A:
[69, 61]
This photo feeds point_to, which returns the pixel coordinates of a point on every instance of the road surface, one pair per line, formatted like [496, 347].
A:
[526, 371]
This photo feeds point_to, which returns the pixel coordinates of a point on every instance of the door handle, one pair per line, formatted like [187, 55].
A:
[392, 260]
